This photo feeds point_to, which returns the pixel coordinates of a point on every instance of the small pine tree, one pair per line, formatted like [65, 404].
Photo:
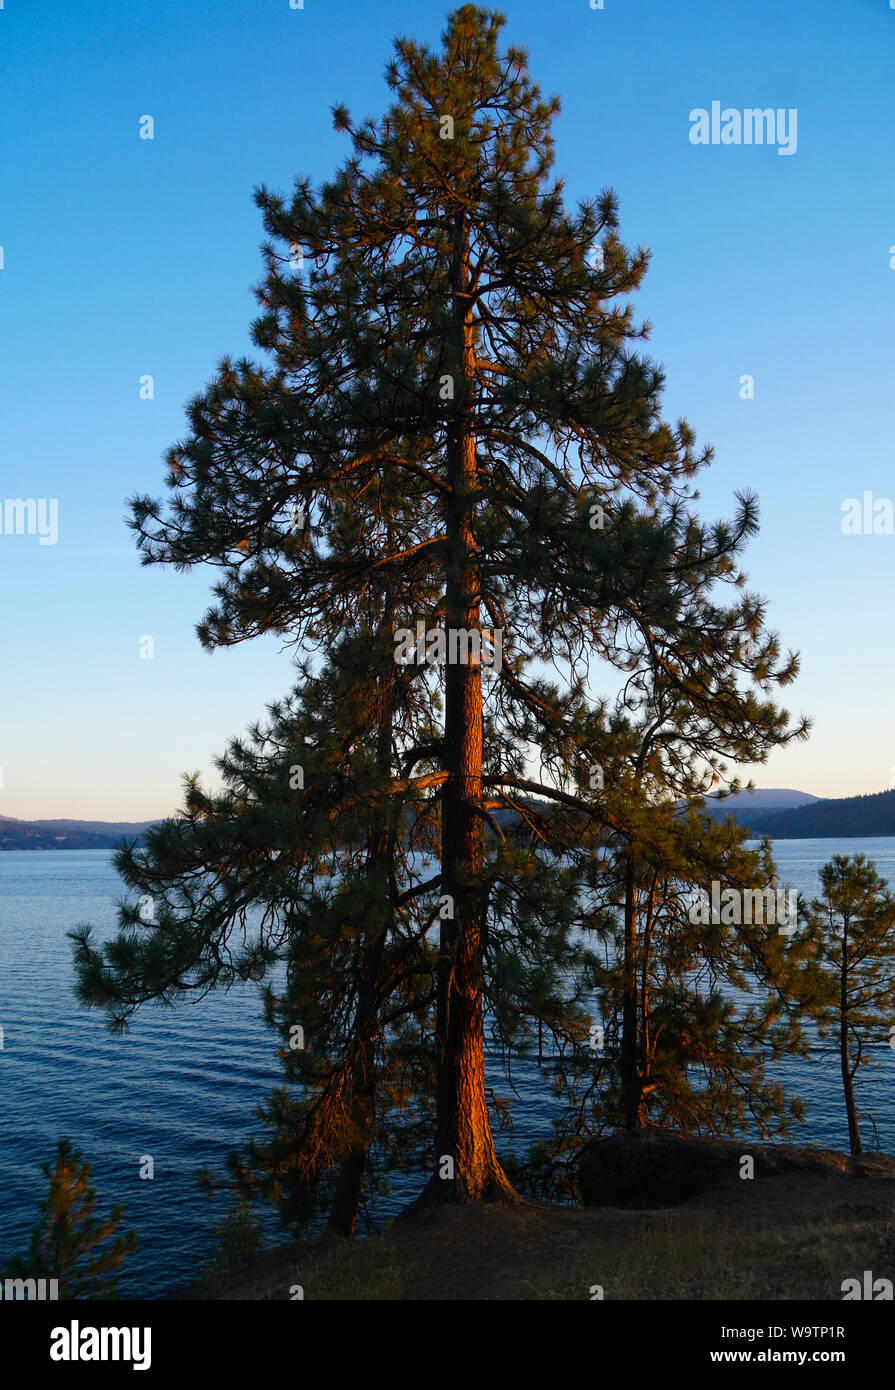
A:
[700, 1060]
[853, 929]
[239, 1238]
[61, 1243]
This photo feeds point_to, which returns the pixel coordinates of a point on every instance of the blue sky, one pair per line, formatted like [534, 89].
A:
[124, 257]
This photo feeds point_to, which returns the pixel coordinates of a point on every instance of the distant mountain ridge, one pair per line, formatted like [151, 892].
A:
[786, 814]
[873, 814]
[752, 808]
[765, 798]
[69, 834]
[781, 812]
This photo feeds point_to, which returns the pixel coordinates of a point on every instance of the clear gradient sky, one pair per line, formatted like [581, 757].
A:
[124, 257]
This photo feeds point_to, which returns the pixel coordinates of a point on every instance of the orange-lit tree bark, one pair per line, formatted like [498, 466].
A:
[468, 1166]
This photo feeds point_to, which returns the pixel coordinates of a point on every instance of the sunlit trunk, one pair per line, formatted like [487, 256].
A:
[630, 1077]
[854, 1134]
[466, 1164]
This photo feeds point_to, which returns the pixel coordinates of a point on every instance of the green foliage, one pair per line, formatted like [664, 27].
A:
[239, 1238]
[64, 1245]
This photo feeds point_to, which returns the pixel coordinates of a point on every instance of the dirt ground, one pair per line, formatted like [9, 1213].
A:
[806, 1222]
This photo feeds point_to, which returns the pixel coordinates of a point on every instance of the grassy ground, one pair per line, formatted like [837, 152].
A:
[791, 1235]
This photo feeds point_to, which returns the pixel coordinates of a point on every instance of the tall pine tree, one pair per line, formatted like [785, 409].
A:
[454, 403]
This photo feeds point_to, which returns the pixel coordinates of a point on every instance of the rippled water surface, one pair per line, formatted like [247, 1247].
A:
[182, 1085]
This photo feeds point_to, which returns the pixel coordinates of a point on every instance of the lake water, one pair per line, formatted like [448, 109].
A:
[183, 1084]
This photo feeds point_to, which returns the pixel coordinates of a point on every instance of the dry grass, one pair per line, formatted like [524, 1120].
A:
[795, 1236]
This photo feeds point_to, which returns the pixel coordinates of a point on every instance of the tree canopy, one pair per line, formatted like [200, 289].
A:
[452, 431]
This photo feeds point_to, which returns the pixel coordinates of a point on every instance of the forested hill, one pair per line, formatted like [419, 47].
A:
[848, 815]
[68, 834]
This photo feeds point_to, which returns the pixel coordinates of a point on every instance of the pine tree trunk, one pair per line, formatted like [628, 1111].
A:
[646, 1049]
[630, 1078]
[342, 1218]
[854, 1134]
[466, 1164]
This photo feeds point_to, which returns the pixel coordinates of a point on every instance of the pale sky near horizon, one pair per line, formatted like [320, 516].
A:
[124, 257]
